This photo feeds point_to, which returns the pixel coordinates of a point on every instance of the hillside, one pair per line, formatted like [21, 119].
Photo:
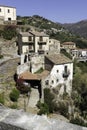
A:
[79, 28]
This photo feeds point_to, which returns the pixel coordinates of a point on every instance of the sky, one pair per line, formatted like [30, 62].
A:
[62, 11]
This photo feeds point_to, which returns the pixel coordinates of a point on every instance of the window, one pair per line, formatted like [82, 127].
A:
[40, 47]
[47, 82]
[9, 19]
[57, 71]
[57, 80]
[41, 38]
[0, 10]
[8, 11]
[52, 82]
[30, 38]
[65, 69]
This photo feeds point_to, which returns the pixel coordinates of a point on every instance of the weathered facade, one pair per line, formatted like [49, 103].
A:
[61, 73]
[33, 42]
[7, 13]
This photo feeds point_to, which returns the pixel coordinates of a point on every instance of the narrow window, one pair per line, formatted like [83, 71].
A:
[57, 71]
[0, 10]
[8, 11]
[47, 82]
[41, 38]
[52, 82]
[30, 38]
[65, 69]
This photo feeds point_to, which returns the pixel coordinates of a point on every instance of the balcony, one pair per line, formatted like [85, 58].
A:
[41, 42]
[66, 74]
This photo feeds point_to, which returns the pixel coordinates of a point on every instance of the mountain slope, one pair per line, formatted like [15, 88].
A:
[79, 28]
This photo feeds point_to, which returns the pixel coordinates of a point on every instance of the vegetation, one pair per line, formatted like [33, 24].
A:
[39, 71]
[43, 108]
[2, 98]
[8, 32]
[79, 93]
[1, 56]
[66, 53]
[14, 95]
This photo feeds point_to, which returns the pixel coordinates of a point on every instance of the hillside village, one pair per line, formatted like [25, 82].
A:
[41, 70]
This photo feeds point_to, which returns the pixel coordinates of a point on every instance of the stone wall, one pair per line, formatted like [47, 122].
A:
[19, 120]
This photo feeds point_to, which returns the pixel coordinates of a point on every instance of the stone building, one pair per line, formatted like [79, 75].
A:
[33, 42]
[7, 13]
[61, 73]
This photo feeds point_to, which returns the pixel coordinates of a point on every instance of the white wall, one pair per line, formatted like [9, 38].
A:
[57, 74]
[4, 13]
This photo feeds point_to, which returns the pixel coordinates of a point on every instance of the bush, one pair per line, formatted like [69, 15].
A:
[14, 95]
[78, 121]
[2, 99]
[9, 32]
[43, 108]
[14, 106]
[1, 56]
[48, 98]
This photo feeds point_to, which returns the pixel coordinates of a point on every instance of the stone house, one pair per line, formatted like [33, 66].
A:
[68, 46]
[61, 73]
[7, 13]
[33, 42]
[54, 46]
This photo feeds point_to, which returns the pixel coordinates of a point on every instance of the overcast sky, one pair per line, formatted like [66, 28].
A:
[63, 11]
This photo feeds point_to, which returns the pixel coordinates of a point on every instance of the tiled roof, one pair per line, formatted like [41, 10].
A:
[58, 58]
[39, 33]
[29, 76]
[68, 43]
[25, 34]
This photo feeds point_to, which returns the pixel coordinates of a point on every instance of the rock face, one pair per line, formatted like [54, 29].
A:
[8, 69]
[19, 120]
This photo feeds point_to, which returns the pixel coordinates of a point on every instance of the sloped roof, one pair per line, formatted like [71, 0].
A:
[58, 58]
[68, 43]
[25, 34]
[39, 33]
[29, 76]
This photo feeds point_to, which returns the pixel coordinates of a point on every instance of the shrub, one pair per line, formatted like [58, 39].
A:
[78, 121]
[48, 98]
[9, 32]
[2, 99]
[14, 95]
[1, 56]
[14, 106]
[43, 108]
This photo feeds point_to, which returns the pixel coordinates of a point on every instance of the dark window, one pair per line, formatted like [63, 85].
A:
[57, 80]
[41, 38]
[0, 10]
[47, 82]
[52, 82]
[57, 71]
[9, 19]
[65, 69]
[8, 11]
[30, 38]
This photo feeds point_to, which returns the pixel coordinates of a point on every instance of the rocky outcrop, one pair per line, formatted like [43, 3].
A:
[19, 120]
[8, 69]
